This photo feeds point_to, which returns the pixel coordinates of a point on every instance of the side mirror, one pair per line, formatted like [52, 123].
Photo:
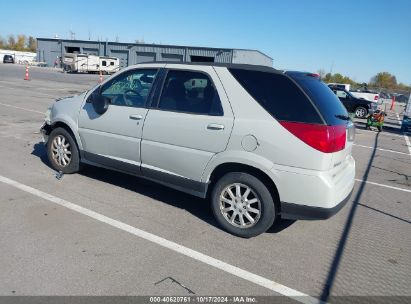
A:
[100, 104]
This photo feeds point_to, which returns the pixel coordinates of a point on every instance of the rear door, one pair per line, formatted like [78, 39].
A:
[345, 99]
[191, 121]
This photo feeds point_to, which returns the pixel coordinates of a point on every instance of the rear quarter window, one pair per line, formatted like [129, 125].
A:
[323, 97]
[278, 95]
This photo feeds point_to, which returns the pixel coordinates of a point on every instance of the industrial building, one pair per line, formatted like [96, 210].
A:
[49, 49]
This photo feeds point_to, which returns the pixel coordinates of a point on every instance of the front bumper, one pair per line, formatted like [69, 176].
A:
[301, 212]
[44, 131]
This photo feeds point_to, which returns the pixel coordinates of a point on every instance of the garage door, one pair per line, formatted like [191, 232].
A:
[145, 57]
[172, 57]
[123, 56]
[90, 51]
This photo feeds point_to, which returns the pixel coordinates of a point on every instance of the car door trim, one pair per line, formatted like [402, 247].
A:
[165, 178]
[174, 181]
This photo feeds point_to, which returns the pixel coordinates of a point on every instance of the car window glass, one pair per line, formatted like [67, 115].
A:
[190, 92]
[325, 100]
[130, 88]
[341, 94]
[278, 95]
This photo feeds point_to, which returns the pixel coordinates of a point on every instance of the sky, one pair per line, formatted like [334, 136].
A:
[355, 38]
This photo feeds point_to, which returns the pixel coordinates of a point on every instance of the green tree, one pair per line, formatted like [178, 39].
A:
[337, 77]
[11, 42]
[2, 43]
[32, 44]
[384, 80]
[21, 43]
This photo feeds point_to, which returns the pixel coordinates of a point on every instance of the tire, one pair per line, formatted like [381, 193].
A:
[259, 194]
[360, 112]
[61, 143]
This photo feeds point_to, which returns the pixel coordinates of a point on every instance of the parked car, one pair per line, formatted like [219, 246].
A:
[366, 94]
[361, 94]
[340, 86]
[8, 59]
[259, 143]
[360, 107]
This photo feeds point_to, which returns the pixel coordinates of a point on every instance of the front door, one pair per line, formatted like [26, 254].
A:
[113, 138]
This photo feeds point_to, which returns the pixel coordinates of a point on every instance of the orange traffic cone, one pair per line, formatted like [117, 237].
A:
[27, 73]
[392, 102]
[101, 77]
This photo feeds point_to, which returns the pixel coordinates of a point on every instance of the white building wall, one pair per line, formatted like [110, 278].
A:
[19, 57]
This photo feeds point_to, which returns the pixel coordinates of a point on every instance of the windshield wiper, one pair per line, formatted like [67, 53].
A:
[343, 117]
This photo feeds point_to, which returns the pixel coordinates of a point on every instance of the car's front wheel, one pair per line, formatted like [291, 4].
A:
[62, 151]
[242, 204]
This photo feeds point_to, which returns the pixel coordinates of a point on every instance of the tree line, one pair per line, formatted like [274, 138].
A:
[382, 80]
[19, 43]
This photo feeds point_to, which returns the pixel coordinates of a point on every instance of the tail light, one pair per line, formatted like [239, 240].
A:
[376, 97]
[313, 75]
[327, 139]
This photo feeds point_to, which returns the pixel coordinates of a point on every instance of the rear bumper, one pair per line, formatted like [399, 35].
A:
[310, 194]
[301, 212]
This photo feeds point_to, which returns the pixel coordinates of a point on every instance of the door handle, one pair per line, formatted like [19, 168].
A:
[136, 117]
[215, 127]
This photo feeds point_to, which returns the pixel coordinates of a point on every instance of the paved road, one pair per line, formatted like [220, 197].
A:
[47, 249]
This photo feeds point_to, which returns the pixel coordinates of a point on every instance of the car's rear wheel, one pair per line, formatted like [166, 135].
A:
[361, 112]
[62, 151]
[242, 204]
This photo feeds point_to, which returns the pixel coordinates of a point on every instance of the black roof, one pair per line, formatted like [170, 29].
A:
[261, 68]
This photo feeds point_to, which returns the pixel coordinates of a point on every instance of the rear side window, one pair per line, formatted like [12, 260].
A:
[278, 95]
[190, 92]
[323, 97]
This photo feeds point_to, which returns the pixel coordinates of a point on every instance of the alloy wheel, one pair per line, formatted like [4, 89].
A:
[240, 205]
[61, 150]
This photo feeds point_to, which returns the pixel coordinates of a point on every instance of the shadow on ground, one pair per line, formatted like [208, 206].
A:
[196, 206]
[335, 264]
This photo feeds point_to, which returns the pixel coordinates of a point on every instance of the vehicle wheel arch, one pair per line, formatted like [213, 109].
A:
[363, 107]
[229, 167]
[68, 128]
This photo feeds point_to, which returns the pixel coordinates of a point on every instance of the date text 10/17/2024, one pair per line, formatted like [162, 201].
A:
[203, 299]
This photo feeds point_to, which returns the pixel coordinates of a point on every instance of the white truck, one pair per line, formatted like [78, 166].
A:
[367, 95]
[364, 94]
[84, 63]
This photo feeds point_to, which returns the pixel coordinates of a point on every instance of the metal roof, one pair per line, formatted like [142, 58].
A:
[154, 45]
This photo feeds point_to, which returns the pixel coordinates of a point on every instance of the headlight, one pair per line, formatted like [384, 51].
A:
[48, 116]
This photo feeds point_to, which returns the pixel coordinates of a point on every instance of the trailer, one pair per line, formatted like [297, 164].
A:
[84, 63]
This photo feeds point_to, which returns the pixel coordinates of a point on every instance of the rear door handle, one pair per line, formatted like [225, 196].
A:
[136, 117]
[215, 127]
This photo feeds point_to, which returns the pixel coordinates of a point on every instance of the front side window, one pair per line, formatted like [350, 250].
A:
[341, 94]
[130, 88]
[190, 92]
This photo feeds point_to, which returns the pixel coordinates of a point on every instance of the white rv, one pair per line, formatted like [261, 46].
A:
[83, 63]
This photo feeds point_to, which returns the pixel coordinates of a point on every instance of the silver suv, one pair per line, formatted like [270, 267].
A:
[259, 143]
